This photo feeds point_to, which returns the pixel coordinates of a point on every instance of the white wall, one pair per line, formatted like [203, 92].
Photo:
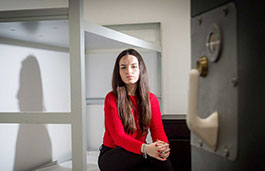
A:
[26, 146]
[174, 16]
[36, 76]
[33, 80]
[99, 68]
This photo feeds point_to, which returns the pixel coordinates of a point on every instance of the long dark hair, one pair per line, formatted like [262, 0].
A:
[123, 100]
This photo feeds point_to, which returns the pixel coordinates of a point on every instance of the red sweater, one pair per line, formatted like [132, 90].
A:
[114, 131]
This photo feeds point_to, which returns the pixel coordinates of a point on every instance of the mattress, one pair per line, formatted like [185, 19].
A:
[92, 164]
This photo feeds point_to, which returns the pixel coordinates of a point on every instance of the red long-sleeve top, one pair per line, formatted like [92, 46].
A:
[114, 131]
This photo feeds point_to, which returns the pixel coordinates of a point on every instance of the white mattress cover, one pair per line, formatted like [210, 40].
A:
[92, 164]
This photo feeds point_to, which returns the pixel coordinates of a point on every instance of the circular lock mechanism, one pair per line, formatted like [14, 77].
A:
[214, 42]
[202, 66]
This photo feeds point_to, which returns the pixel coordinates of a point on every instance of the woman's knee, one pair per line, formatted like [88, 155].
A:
[161, 165]
[118, 159]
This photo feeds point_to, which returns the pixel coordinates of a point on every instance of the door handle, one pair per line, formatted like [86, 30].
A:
[205, 128]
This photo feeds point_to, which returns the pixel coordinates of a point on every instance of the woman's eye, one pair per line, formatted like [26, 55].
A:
[123, 67]
[135, 66]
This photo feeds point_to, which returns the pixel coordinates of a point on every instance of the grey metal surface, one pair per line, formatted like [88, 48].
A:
[174, 116]
[48, 32]
[94, 41]
[34, 14]
[114, 39]
[55, 32]
[198, 6]
[77, 72]
[217, 91]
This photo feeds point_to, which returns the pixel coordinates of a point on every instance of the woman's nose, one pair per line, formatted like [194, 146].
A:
[129, 70]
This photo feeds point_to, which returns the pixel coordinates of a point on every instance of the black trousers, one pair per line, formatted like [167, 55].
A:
[119, 159]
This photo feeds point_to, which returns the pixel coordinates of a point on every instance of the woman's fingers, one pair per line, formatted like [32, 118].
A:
[161, 143]
[164, 155]
[161, 158]
[163, 149]
[167, 155]
[159, 150]
[165, 152]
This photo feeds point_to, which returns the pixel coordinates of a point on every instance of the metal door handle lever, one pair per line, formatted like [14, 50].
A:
[205, 128]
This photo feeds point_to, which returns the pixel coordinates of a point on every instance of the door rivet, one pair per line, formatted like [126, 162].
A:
[199, 21]
[226, 152]
[234, 81]
[225, 10]
[200, 142]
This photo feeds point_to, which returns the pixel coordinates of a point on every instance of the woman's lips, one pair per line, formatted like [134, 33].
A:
[129, 77]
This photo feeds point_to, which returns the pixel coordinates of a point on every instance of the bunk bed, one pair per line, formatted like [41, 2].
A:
[65, 30]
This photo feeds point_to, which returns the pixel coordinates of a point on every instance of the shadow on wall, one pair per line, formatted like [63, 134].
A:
[33, 146]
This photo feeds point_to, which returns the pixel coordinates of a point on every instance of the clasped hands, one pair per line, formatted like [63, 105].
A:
[159, 150]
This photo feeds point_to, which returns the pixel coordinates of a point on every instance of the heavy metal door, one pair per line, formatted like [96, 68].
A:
[226, 93]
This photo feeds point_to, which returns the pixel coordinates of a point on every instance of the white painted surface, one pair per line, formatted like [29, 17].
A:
[92, 164]
[26, 146]
[33, 80]
[33, 75]
[99, 69]
[95, 126]
[146, 31]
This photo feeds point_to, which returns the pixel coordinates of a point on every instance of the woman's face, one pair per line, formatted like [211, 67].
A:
[129, 69]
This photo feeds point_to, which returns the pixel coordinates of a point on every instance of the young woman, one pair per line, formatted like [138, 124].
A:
[130, 110]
